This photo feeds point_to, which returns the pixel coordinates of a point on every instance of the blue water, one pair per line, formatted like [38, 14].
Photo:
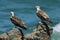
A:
[25, 9]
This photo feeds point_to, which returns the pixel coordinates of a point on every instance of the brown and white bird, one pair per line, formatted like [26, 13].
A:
[41, 14]
[16, 21]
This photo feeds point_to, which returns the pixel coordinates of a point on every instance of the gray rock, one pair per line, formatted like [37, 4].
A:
[15, 34]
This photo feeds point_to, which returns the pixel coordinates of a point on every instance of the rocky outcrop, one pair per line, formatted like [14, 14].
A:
[15, 34]
[38, 34]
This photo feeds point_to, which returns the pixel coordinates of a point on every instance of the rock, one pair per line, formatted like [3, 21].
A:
[37, 34]
[14, 34]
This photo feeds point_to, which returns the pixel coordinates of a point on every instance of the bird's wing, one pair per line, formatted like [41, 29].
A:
[19, 21]
[13, 20]
[43, 14]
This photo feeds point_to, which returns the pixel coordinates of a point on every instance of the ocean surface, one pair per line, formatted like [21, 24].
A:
[25, 10]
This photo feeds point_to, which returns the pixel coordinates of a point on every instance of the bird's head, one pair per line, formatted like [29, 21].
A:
[37, 7]
[12, 13]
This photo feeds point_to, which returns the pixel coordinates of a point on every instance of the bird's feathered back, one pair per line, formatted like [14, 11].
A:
[43, 16]
[18, 22]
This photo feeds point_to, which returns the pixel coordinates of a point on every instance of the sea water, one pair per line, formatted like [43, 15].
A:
[25, 10]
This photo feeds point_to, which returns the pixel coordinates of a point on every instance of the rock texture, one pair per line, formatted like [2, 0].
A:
[14, 34]
[37, 34]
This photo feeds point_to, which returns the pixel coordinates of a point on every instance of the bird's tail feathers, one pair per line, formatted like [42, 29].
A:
[49, 21]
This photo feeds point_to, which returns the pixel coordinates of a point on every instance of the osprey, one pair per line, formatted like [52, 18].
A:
[44, 26]
[16, 21]
[41, 14]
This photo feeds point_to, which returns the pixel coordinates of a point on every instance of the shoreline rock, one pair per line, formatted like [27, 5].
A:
[37, 34]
